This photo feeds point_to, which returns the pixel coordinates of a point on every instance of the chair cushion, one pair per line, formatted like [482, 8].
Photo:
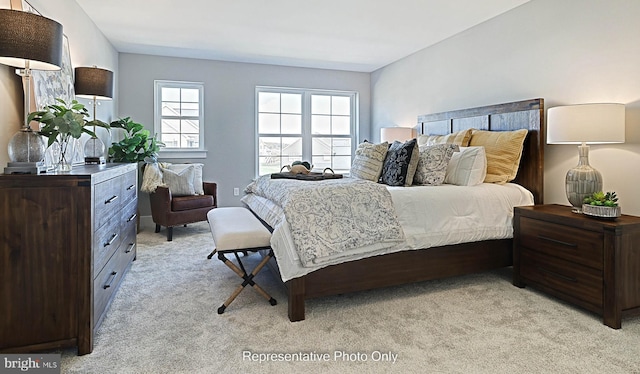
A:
[235, 228]
[181, 203]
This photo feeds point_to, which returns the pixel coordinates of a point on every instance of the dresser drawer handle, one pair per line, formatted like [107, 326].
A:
[557, 241]
[112, 199]
[111, 240]
[558, 275]
[130, 187]
[112, 276]
[130, 248]
[133, 216]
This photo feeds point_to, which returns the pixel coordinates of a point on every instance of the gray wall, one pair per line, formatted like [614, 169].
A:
[229, 107]
[567, 52]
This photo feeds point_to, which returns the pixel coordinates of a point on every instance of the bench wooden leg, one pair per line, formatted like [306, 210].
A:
[248, 278]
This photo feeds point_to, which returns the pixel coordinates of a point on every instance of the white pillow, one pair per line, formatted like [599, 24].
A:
[197, 175]
[369, 160]
[467, 167]
[180, 183]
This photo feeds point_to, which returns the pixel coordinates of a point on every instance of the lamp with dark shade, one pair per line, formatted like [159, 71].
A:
[28, 41]
[585, 124]
[94, 83]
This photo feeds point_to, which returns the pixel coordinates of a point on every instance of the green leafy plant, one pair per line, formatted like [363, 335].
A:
[602, 199]
[64, 121]
[137, 145]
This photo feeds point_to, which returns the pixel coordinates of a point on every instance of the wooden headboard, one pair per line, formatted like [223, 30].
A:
[527, 114]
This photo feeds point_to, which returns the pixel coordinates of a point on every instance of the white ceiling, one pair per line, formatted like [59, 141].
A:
[356, 35]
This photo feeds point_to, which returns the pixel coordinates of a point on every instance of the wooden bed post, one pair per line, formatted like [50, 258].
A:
[296, 299]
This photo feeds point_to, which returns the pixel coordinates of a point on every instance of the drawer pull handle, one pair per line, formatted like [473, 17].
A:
[112, 199]
[130, 248]
[133, 216]
[112, 277]
[558, 275]
[111, 240]
[130, 187]
[557, 241]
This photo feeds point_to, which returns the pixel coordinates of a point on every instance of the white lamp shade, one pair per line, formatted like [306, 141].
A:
[586, 123]
[401, 134]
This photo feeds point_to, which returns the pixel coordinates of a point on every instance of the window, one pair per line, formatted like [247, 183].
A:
[179, 115]
[303, 124]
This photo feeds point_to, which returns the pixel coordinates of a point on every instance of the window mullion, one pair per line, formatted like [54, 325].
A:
[306, 126]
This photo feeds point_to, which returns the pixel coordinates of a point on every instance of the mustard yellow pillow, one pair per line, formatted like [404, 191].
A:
[503, 149]
[460, 138]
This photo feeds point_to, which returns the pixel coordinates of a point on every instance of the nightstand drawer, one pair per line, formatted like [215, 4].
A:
[566, 242]
[565, 277]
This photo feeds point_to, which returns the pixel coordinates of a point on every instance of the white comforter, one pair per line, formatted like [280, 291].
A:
[430, 216]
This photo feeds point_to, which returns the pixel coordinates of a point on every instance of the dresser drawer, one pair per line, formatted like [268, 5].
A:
[566, 242]
[129, 214]
[108, 280]
[575, 280]
[107, 200]
[105, 241]
[129, 184]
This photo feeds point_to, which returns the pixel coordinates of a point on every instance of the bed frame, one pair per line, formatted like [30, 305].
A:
[438, 262]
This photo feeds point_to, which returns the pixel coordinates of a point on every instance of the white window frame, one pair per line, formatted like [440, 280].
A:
[177, 152]
[306, 119]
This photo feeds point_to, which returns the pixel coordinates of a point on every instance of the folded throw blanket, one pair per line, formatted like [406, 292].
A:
[331, 217]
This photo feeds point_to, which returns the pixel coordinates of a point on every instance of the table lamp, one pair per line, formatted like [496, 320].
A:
[401, 134]
[584, 124]
[28, 41]
[94, 83]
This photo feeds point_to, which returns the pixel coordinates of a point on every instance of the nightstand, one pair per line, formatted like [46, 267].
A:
[589, 262]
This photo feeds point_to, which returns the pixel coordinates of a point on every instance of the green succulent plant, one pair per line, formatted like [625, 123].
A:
[602, 199]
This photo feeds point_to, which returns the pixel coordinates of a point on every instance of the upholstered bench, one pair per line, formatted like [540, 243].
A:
[236, 230]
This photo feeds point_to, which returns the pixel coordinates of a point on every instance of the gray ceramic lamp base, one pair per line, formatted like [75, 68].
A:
[582, 180]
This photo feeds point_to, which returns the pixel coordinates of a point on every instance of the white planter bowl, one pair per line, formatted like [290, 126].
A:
[609, 212]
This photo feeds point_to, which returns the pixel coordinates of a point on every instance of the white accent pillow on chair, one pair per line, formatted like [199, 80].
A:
[197, 176]
[180, 183]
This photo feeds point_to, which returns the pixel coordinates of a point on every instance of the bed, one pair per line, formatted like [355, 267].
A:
[401, 267]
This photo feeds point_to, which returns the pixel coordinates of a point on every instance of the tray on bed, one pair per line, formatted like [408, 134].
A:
[306, 177]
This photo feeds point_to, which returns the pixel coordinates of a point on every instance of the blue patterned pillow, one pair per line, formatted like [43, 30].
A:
[400, 164]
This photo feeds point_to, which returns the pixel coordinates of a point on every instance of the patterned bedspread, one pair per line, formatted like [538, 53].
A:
[331, 217]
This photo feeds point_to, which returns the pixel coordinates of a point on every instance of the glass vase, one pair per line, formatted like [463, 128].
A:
[63, 152]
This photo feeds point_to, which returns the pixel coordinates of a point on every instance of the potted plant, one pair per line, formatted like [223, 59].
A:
[137, 145]
[603, 205]
[63, 125]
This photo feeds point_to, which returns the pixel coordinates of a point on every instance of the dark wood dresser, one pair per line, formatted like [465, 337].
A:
[66, 241]
[590, 262]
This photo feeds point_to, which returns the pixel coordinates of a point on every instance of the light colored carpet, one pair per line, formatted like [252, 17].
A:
[164, 320]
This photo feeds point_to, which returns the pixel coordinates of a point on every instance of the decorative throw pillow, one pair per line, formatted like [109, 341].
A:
[197, 175]
[368, 161]
[504, 149]
[432, 164]
[180, 183]
[467, 167]
[401, 163]
[460, 138]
